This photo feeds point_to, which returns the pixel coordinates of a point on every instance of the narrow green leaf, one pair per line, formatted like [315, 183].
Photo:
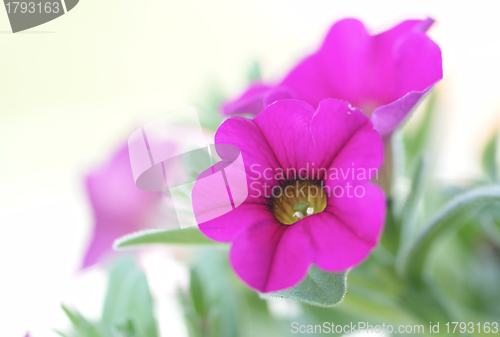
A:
[60, 333]
[411, 204]
[128, 298]
[489, 158]
[74, 317]
[186, 236]
[223, 299]
[416, 139]
[80, 324]
[196, 292]
[412, 259]
[212, 306]
[318, 288]
[391, 234]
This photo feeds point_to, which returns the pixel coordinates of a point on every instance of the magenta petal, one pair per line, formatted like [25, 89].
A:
[256, 152]
[419, 67]
[251, 102]
[418, 63]
[424, 25]
[336, 246]
[309, 82]
[367, 224]
[256, 99]
[405, 27]
[367, 70]
[222, 187]
[119, 206]
[103, 237]
[285, 126]
[111, 188]
[277, 94]
[227, 226]
[335, 126]
[343, 238]
[388, 117]
[347, 60]
[359, 159]
[271, 256]
[372, 72]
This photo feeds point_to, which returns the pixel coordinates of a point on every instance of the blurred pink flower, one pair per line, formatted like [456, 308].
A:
[119, 206]
[277, 236]
[384, 75]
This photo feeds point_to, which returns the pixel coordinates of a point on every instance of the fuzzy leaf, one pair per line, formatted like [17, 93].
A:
[318, 288]
[186, 236]
[489, 158]
[449, 219]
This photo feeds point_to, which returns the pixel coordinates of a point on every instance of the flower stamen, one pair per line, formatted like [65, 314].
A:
[298, 215]
[297, 200]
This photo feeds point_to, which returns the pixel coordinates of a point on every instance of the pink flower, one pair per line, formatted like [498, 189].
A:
[384, 75]
[327, 214]
[119, 206]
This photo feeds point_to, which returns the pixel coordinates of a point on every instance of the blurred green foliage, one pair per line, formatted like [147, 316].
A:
[128, 308]
[489, 159]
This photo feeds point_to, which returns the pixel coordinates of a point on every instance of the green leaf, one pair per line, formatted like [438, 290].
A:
[488, 159]
[416, 140]
[212, 306]
[318, 288]
[412, 259]
[411, 204]
[196, 292]
[490, 221]
[80, 324]
[60, 333]
[128, 308]
[74, 317]
[391, 234]
[128, 299]
[392, 180]
[186, 236]
[126, 328]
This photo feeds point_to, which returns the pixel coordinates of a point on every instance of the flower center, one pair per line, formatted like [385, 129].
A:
[296, 200]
